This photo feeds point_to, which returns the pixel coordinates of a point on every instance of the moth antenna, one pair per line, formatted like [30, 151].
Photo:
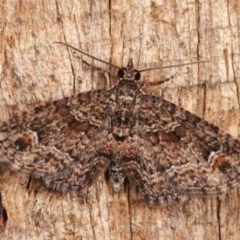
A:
[170, 66]
[113, 65]
[89, 55]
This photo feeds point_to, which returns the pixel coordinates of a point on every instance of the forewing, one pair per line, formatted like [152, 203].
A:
[60, 142]
[178, 153]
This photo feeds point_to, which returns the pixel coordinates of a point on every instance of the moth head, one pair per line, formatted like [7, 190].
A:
[129, 73]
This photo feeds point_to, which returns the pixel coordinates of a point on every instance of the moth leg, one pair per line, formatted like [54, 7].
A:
[102, 71]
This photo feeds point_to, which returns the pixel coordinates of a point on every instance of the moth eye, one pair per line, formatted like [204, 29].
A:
[137, 75]
[121, 73]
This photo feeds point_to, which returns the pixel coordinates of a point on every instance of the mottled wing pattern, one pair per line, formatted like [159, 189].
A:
[165, 151]
[60, 142]
[178, 153]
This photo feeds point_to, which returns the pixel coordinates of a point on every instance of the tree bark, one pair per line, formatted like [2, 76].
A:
[153, 33]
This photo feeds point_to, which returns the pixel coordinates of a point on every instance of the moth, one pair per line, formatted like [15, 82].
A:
[165, 151]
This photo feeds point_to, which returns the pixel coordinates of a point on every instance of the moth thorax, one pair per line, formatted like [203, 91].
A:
[126, 94]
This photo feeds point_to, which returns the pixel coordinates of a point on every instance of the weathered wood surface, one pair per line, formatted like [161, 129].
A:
[33, 71]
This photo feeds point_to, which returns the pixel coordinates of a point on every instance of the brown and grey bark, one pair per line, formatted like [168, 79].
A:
[33, 71]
